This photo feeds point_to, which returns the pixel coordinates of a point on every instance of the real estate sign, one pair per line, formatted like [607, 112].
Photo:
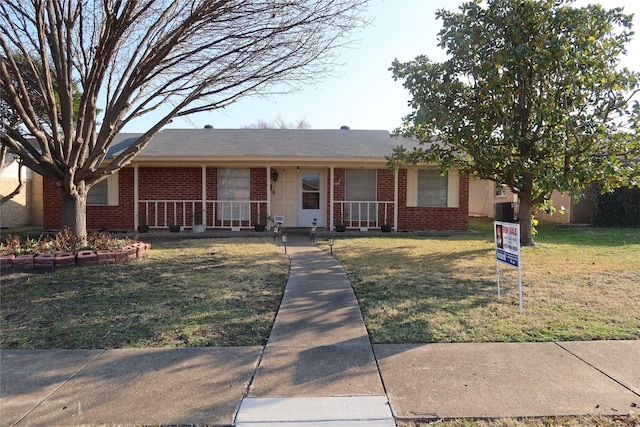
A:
[507, 238]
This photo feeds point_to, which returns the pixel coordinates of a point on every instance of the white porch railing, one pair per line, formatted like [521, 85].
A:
[364, 214]
[211, 213]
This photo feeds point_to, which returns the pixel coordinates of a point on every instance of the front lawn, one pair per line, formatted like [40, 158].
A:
[580, 283]
[210, 292]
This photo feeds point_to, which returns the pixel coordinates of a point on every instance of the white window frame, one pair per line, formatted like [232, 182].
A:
[112, 183]
[365, 212]
[234, 211]
[500, 191]
[453, 189]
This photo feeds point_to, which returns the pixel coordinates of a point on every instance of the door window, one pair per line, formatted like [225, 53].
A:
[310, 190]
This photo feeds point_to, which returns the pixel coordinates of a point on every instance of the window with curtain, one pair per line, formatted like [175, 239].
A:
[104, 192]
[99, 193]
[432, 188]
[234, 192]
[360, 186]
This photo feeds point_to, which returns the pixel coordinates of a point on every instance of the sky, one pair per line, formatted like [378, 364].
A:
[362, 94]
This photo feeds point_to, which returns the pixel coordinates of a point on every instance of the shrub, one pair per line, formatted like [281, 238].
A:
[620, 208]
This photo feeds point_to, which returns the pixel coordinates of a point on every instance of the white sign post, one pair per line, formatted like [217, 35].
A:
[507, 238]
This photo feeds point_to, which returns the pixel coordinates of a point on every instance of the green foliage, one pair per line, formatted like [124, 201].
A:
[532, 96]
[619, 208]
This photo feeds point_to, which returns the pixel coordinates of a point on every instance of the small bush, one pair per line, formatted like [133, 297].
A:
[620, 208]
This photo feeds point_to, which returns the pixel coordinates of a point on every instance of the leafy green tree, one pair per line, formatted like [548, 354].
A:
[130, 58]
[532, 96]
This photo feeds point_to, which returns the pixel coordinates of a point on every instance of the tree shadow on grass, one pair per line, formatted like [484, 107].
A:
[426, 298]
[204, 299]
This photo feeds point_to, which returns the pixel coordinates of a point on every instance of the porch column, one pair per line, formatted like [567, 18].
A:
[204, 196]
[269, 190]
[331, 197]
[395, 199]
[136, 213]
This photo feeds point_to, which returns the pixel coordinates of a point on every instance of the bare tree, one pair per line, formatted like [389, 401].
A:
[4, 153]
[129, 58]
[278, 123]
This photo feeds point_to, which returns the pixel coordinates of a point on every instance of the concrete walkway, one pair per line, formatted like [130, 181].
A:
[318, 369]
[318, 365]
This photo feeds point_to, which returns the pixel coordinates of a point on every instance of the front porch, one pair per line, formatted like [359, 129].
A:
[235, 215]
[298, 197]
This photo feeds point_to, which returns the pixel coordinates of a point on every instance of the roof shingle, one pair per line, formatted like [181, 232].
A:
[294, 143]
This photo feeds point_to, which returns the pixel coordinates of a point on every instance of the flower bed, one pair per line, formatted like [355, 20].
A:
[64, 250]
[69, 259]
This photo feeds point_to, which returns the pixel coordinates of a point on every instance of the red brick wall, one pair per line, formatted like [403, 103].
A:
[411, 218]
[51, 204]
[170, 183]
[175, 183]
[385, 188]
[113, 217]
[259, 184]
[212, 183]
[338, 194]
[429, 218]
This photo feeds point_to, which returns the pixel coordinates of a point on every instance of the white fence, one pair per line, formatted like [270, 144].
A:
[364, 214]
[211, 213]
[246, 214]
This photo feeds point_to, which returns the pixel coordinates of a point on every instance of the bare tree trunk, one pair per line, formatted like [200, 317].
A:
[74, 212]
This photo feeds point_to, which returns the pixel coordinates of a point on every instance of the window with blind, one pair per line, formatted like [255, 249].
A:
[432, 188]
[104, 192]
[234, 194]
[360, 187]
[426, 188]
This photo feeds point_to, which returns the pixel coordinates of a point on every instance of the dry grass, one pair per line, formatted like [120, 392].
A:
[580, 421]
[214, 292]
[579, 284]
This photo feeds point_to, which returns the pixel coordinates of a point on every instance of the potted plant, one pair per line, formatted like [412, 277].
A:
[173, 227]
[385, 228]
[143, 225]
[341, 223]
[198, 221]
[260, 226]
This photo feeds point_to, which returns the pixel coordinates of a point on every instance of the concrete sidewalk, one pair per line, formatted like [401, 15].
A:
[318, 365]
[318, 368]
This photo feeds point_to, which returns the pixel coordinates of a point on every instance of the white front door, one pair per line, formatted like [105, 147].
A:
[284, 196]
[311, 200]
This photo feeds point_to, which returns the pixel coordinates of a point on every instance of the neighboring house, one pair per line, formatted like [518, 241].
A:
[237, 178]
[25, 208]
[483, 195]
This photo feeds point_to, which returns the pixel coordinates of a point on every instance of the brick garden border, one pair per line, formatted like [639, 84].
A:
[69, 259]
